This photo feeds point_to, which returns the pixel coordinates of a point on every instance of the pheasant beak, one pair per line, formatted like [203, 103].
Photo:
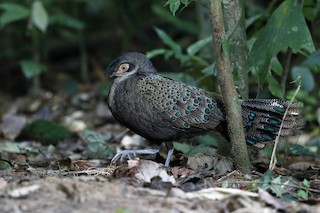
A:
[117, 73]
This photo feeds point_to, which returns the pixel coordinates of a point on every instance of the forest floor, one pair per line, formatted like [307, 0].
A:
[55, 153]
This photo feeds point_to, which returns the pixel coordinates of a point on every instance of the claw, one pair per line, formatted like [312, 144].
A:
[132, 153]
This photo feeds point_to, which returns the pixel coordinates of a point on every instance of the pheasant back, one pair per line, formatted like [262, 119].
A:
[185, 105]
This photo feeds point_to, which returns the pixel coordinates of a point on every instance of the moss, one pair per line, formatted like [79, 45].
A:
[48, 132]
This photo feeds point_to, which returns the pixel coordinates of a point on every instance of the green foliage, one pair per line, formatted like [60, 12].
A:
[39, 16]
[302, 150]
[67, 21]
[15, 12]
[303, 193]
[5, 165]
[273, 83]
[37, 19]
[194, 65]
[32, 68]
[307, 82]
[175, 47]
[12, 12]
[179, 23]
[45, 131]
[306, 71]
[285, 28]
[97, 146]
[274, 86]
[174, 5]
[195, 48]
[191, 150]
[207, 140]
[191, 55]
[285, 188]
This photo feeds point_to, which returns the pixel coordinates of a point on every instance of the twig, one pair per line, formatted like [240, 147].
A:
[269, 182]
[273, 159]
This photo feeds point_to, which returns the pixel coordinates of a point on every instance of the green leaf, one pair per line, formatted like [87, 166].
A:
[206, 140]
[276, 66]
[185, 2]
[307, 79]
[300, 150]
[92, 136]
[285, 28]
[173, 5]
[209, 70]
[156, 52]
[5, 165]
[225, 184]
[303, 194]
[96, 144]
[306, 183]
[252, 19]
[277, 187]
[182, 24]
[175, 47]
[39, 16]
[182, 147]
[197, 46]
[274, 86]
[169, 41]
[12, 12]
[226, 46]
[313, 62]
[251, 42]
[31, 68]
[266, 179]
[191, 150]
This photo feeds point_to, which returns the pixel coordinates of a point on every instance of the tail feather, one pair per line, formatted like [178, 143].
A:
[262, 119]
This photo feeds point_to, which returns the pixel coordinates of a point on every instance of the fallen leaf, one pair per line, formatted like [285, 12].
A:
[12, 125]
[150, 169]
[23, 191]
[269, 199]
[3, 183]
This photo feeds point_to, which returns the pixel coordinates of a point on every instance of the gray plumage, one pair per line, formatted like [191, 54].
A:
[158, 108]
[161, 109]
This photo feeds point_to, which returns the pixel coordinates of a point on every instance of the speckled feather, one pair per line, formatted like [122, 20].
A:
[186, 106]
[161, 109]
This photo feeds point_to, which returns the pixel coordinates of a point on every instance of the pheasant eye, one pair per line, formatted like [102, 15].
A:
[124, 67]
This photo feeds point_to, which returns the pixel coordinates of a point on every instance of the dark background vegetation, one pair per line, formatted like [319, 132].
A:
[81, 37]
[105, 29]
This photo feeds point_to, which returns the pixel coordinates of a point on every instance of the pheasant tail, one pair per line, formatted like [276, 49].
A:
[262, 119]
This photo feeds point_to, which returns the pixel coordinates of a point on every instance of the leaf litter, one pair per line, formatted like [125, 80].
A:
[58, 173]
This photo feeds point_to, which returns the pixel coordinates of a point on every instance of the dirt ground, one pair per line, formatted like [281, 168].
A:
[94, 191]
